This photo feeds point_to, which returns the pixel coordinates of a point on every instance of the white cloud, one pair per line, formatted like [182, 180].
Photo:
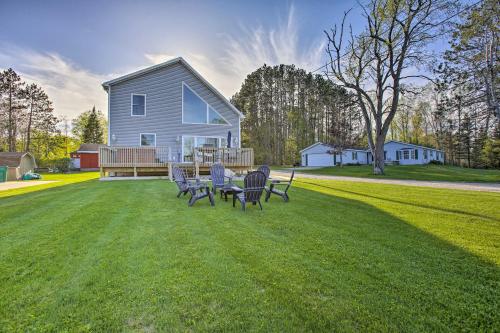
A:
[72, 89]
[248, 49]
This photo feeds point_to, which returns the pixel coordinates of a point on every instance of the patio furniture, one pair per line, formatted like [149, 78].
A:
[278, 183]
[198, 190]
[229, 189]
[254, 184]
[217, 173]
[266, 170]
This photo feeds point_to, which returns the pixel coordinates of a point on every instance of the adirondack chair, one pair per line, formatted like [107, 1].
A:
[282, 193]
[198, 190]
[254, 184]
[217, 173]
[266, 170]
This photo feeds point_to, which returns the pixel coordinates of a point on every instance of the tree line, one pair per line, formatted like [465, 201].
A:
[287, 108]
[28, 122]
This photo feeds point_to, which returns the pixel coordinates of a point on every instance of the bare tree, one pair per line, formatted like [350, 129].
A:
[375, 62]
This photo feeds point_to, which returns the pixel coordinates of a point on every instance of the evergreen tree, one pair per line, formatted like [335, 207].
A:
[92, 130]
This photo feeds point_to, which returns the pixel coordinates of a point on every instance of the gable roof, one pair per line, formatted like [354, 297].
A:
[411, 144]
[12, 160]
[180, 60]
[314, 145]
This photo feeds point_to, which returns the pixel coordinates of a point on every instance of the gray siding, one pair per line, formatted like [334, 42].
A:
[163, 89]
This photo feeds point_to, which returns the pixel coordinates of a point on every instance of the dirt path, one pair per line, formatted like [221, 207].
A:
[20, 184]
[484, 187]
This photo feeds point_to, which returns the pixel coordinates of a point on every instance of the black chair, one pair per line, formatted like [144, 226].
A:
[254, 184]
[217, 173]
[282, 193]
[198, 190]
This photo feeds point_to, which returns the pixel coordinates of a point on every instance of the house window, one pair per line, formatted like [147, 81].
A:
[432, 153]
[406, 155]
[148, 139]
[190, 142]
[425, 154]
[385, 155]
[138, 105]
[398, 154]
[354, 155]
[196, 111]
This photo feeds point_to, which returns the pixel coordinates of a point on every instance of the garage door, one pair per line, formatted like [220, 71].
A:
[320, 160]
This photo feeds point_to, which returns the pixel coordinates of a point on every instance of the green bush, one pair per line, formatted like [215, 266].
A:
[58, 164]
[436, 162]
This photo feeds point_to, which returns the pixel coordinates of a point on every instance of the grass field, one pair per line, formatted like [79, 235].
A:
[415, 172]
[130, 256]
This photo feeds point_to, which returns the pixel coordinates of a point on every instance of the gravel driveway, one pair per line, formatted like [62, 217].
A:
[484, 187]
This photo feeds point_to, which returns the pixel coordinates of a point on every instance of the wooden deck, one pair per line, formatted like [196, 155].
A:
[138, 161]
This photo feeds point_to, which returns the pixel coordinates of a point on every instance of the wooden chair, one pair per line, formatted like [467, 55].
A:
[282, 193]
[254, 184]
[198, 190]
[217, 173]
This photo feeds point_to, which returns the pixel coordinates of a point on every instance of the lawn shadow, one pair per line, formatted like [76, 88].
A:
[447, 210]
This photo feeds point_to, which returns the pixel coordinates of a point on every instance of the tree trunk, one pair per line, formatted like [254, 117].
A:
[378, 155]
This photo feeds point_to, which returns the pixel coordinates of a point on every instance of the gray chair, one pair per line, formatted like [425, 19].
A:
[266, 170]
[254, 184]
[217, 173]
[198, 190]
[274, 188]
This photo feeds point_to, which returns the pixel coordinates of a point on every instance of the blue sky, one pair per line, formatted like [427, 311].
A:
[70, 47]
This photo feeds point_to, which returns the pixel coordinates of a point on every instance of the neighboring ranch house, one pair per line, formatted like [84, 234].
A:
[321, 154]
[410, 154]
[17, 164]
[170, 105]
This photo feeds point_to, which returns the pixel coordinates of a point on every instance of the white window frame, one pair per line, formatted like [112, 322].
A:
[354, 155]
[140, 139]
[195, 142]
[132, 105]
[206, 110]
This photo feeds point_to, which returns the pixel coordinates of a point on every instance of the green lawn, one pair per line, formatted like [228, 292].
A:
[130, 256]
[415, 172]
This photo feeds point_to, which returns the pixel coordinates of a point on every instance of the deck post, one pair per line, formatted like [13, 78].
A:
[170, 171]
[197, 169]
[102, 172]
[135, 172]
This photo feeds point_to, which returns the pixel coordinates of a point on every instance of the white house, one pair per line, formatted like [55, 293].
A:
[321, 154]
[410, 154]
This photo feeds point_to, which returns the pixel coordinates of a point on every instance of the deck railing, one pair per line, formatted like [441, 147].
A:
[134, 157]
[229, 157]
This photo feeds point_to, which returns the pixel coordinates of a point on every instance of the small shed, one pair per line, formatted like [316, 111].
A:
[18, 164]
[86, 158]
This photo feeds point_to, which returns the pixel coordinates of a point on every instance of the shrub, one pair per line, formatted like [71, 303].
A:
[57, 164]
[436, 162]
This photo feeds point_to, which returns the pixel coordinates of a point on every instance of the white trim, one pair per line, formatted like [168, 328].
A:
[207, 106]
[109, 116]
[132, 105]
[239, 133]
[168, 63]
[140, 139]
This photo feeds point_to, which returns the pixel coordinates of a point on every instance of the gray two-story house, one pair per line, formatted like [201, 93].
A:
[170, 105]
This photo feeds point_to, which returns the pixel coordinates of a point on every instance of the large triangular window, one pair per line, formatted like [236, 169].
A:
[196, 111]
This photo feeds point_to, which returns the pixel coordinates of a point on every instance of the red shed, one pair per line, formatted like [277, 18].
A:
[86, 158]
